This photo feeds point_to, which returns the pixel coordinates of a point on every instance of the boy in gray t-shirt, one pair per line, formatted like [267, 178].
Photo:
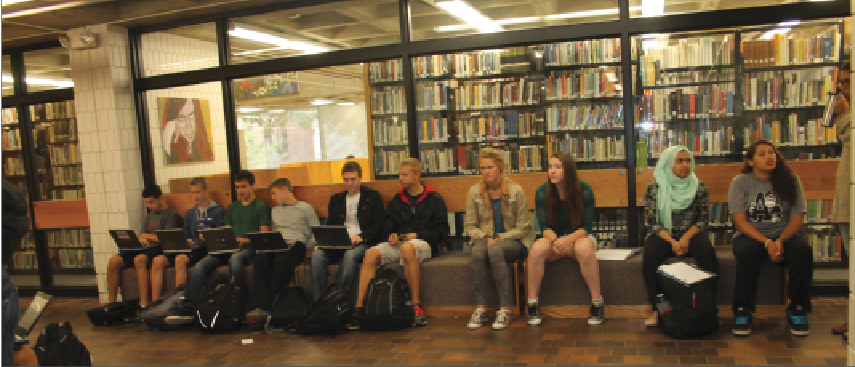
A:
[767, 203]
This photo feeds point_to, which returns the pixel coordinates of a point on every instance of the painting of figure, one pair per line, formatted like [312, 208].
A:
[186, 130]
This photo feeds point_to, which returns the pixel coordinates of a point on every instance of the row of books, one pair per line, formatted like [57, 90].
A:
[652, 76]
[464, 64]
[607, 240]
[586, 149]
[69, 237]
[9, 116]
[385, 71]
[70, 175]
[719, 216]
[498, 125]
[25, 260]
[582, 52]
[62, 131]
[691, 52]
[790, 88]
[386, 162]
[789, 133]
[701, 143]
[610, 219]
[432, 96]
[818, 210]
[14, 166]
[584, 117]
[518, 158]
[72, 258]
[11, 139]
[497, 93]
[785, 50]
[437, 160]
[390, 131]
[65, 154]
[602, 82]
[52, 111]
[388, 99]
[68, 194]
[433, 129]
[705, 101]
[28, 242]
[825, 242]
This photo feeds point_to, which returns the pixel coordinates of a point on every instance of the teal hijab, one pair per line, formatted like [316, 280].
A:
[675, 193]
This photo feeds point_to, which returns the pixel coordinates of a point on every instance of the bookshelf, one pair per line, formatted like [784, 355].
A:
[57, 151]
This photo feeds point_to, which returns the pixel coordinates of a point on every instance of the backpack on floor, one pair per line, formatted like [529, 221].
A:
[289, 305]
[167, 305]
[220, 308]
[58, 346]
[387, 303]
[694, 310]
[329, 315]
[114, 313]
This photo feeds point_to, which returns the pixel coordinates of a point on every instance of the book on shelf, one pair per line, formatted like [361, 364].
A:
[69, 237]
[390, 131]
[788, 50]
[519, 158]
[652, 75]
[825, 241]
[52, 111]
[492, 93]
[72, 258]
[14, 166]
[601, 82]
[433, 65]
[818, 211]
[385, 71]
[25, 260]
[774, 89]
[388, 99]
[67, 175]
[433, 129]
[719, 216]
[689, 52]
[790, 132]
[582, 52]
[586, 149]
[9, 116]
[67, 194]
[438, 160]
[711, 142]
[65, 154]
[62, 130]
[703, 101]
[433, 95]
[11, 139]
[585, 117]
[498, 125]
[387, 162]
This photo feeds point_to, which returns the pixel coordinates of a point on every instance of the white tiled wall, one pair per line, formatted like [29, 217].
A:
[850, 356]
[164, 53]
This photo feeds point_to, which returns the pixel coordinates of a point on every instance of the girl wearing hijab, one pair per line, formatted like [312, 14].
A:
[676, 216]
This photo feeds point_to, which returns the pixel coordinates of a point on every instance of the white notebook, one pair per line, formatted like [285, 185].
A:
[615, 254]
[684, 273]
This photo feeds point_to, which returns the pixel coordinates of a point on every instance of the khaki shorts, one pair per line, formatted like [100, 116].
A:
[391, 254]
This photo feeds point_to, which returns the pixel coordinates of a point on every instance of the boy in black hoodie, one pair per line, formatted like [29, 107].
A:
[415, 227]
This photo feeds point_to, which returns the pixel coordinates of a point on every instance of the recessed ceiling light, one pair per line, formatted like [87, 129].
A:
[346, 103]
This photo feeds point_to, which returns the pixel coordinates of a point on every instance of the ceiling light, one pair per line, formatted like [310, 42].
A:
[468, 14]
[41, 81]
[321, 102]
[589, 13]
[652, 8]
[10, 2]
[274, 40]
[248, 109]
[768, 35]
[519, 20]
[346, 103]
[276, 111]
[790, 23]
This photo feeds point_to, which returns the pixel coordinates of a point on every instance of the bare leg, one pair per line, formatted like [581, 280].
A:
[181, 262]
[540, 252]
[157, 265]
[369, 269]
[140, 262]
[411, 269]
[585, 254]
[114, 271]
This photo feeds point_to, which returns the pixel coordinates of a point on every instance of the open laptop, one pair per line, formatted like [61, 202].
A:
[31, 317]
[126, 239]
[220, 240]
[172, 240]
[332, 237]
[269, 241]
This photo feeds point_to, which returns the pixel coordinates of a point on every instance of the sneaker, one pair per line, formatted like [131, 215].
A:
[534, 314]
[354, 320]
[742, 322]
[256, 317]
[798, 321]
[420, 320]
[478, 319]
[652, 320]
[184, 315]
[503, 319]
[598, 314]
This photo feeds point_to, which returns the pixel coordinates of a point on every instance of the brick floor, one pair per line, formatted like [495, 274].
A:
[447, 342]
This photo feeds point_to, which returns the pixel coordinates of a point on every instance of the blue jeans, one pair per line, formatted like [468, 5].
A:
[347, 268]
[203, 269]
[11, 308]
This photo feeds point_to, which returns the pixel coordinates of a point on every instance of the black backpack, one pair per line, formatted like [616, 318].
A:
[167, 305]
[123, 312]
[289, 305]
[387, 303]
[328, 316]
[58, 346]
[694, 310]
[220, 308]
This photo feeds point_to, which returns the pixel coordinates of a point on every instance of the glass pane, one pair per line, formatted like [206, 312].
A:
[452, 18]
[188, 136]
[179, 49]
[23, 267]
[291, 124]
[71, 258]
[388, 108]
[314, 29]
[47, 69]
[652, 8]
[59, 169]
[8, 89]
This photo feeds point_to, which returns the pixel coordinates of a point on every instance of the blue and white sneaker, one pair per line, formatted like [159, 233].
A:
[797, 318]
[742, 322]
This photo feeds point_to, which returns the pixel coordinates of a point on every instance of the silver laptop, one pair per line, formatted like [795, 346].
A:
[332, 237]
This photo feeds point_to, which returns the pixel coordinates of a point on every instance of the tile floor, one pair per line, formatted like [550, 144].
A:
[447, 342]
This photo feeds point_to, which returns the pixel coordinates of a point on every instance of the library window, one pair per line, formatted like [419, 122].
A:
[188, 136]
[47, 69]
[304, 124]
[179, 49]
[59, 169]
[653, 8]
[314, 29]
[8, 88]
[453, 18]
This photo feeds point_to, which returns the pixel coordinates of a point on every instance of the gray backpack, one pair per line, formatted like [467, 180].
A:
[155, 314]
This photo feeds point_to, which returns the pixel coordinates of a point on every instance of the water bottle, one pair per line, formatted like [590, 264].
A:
[662, 304]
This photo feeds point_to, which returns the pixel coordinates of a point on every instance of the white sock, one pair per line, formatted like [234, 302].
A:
[598, 301]
[532, 301]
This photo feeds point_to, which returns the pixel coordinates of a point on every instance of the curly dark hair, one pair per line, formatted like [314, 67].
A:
[784, 183]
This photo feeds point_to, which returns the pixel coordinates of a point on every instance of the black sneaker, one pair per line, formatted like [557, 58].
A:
[598, 314]
[184, 315]
[742, 322]
[798, 321]
[534, 314]
[354, 320]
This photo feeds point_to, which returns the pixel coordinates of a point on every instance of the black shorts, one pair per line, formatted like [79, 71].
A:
[151, 251]
[194, 256]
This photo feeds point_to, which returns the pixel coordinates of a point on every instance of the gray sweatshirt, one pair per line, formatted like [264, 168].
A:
[295, 222]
